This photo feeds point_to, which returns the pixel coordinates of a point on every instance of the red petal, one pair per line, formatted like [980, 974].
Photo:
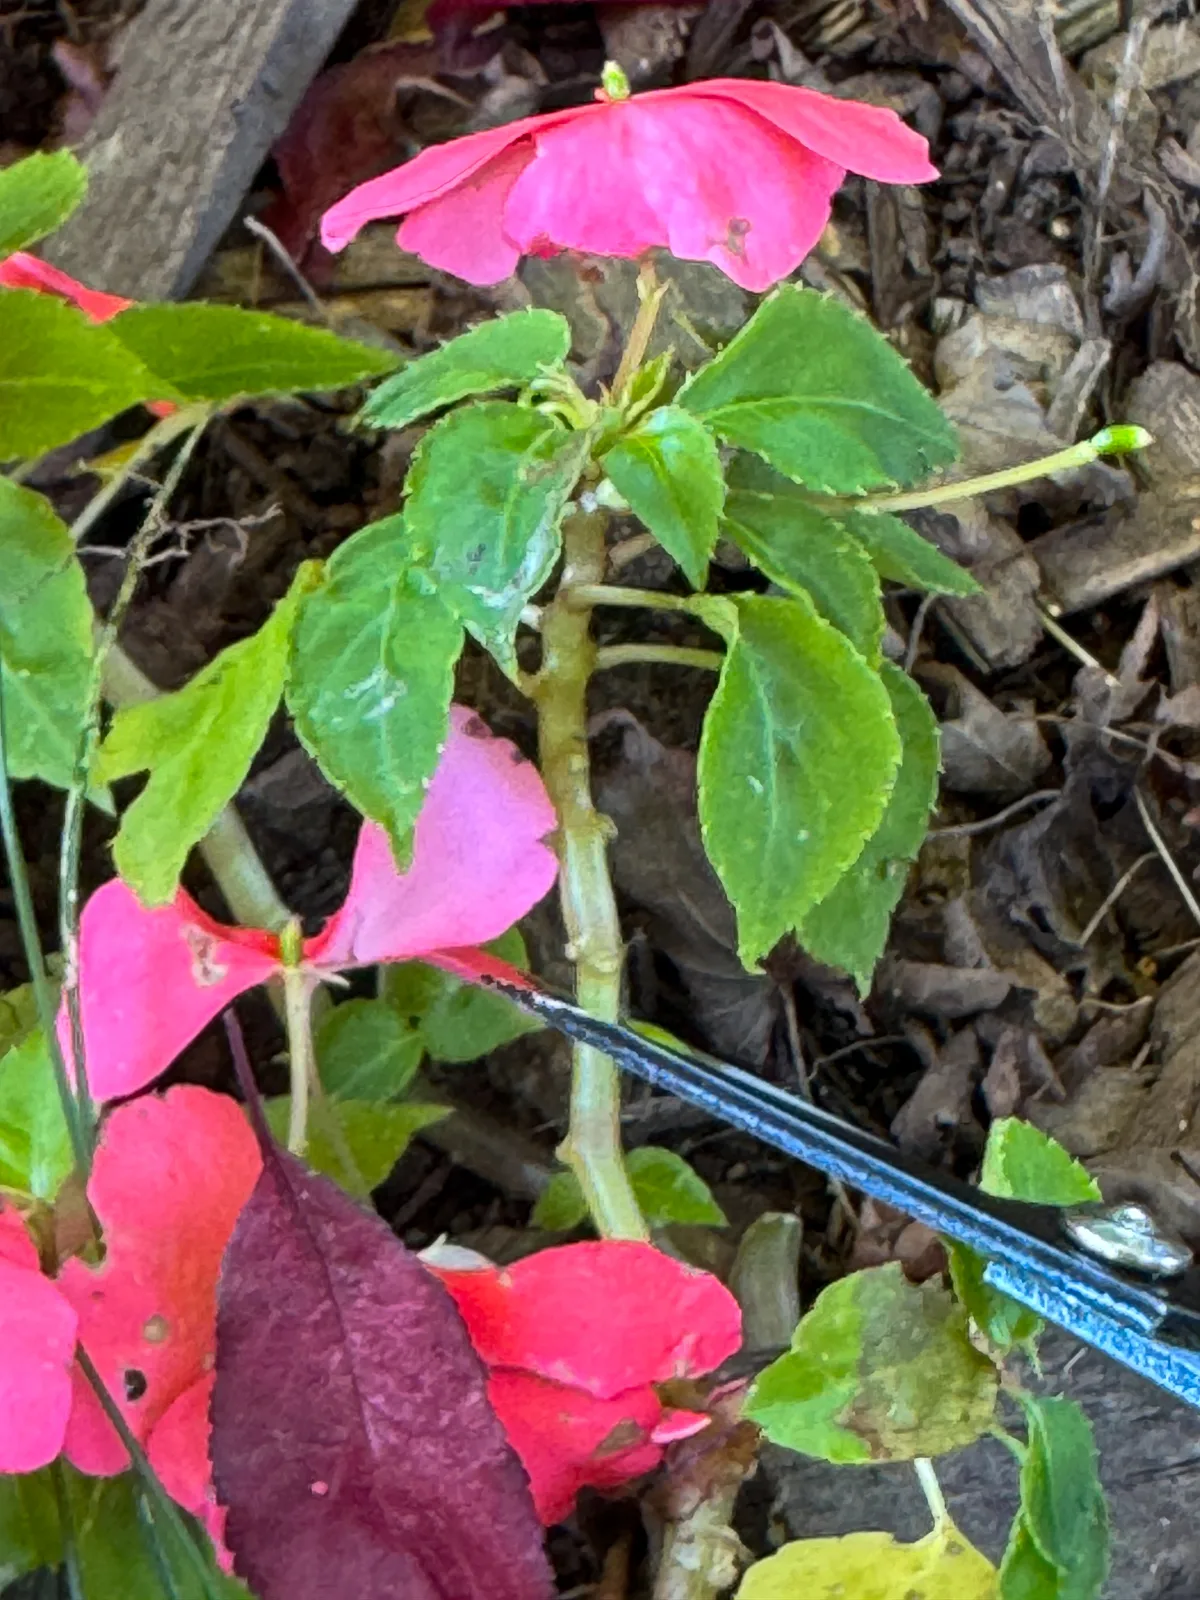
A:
[462, 231]
[567, 1439]
[150, 980]
[23, 271]
[37, 1350]
[661, 1318]
[178, 1452]
[479, 861]
[170, 1176]
[869, 140]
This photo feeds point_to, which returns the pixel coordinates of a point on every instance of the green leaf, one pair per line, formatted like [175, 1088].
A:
[45, 637]
[667, 1189]
[486, 494]
[806, 553]
[900, 554]
[874, 1566]
[462, 1022]
[35, 1144]
[29, 1531]
[880, 1370]
[218, 353]
[1020, 1162]
[37, 195]
[813, 388]
[197, 744]
[849, 927]
[798, 756]
[668, 470]
[60, 374]
[376, 1134]
[18, 1015]
[1063, 1514]
[506, 353]
[372, 671]
[366, 1052]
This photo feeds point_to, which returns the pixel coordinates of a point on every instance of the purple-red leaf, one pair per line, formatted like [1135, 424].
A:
[353, 1442]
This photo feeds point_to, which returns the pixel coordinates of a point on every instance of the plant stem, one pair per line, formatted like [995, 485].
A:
[163, 431]
[583, 597]
[650, 296]
[298, 986]
[668, 655]
[593, 1145]
[932, 1491]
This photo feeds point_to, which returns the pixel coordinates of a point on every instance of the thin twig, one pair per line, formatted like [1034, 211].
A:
[1168, 860]
[1073, 647]
[279, 250]
[621, 555]
[964, 830]
[667, 655]
[1114, 894]
[915, 632]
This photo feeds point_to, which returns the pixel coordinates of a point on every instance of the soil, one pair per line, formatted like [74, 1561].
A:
[1041, 961]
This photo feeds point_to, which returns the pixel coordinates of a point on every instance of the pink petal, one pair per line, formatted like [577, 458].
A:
[479, 859]
[462, 231]
[151, 979]
[23, 271]
[675, 1425]
[584, 190]
[37, 1351]
[178, 1452]
[170, 1176]
[16, 1247]
[730, 188]
[434, 172]
[662, 1318]
[567, 1439]
[869, 140]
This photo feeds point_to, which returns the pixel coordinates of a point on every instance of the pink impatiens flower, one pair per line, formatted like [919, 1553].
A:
[150, 979]
[733, 171]
[37, 1351]
[575, 1340]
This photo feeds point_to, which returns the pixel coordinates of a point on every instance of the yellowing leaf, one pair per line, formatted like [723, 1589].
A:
[874, 1566]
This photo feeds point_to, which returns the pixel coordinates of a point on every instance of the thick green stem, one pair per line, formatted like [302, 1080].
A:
[593, 1144]
[666, 655]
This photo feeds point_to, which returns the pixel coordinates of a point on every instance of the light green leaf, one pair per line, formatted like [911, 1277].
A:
[1024, 1574]
[813, 388]
[798, 757]
[668, 470]
[197, 744]
[463, 1022]
[874, 1566]
[505, 353]
[37, 195]
[60, 374]
[849, 927]
[365, 1051]
[880, 1370]
[1063, 1514]
[902, 555]
[372, 671]
[806, 553]
[218, 353]
[376, 1133]
[18, 1015]
[35, 1144]
[45, 637]
[486, 494]
[29, 1531]
[668, 1190]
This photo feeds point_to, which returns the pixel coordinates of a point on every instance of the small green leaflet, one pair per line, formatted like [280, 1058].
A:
[35, 1145]
[668, 470]
[218, 353]
[667, 1189]
[372, 671]
[457, 1021]
[1058, 1548]
[365, 1051]
[486, 493]
[812, 388]
[805, 553]
[874, 1566]
[373, 1134]
[1020, 1162]
[849, 927]
[901, 555]
[18, 1015]
[798, 757]
[45, 637]
[879, 1370]
[37, 195]
[61, 374]
[197, 745]
[506, 353]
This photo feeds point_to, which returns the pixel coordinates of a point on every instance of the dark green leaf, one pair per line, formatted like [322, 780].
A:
[813, 388]
[1063, 1512]
[371, 675]
[560, 1207]
[1024, 1574]
[365, 1051]
[806, 553]
[60, 374]
[668, 470]
[29, 1531]
[218, 353]
[37, 195]
[505, 353]
[849, 927]
[880, 1370]
[45, 637]
[35, 1144]
[486, 494]
[668, 1190]
[798, 757]
[374, 1133]
[902, 555]
[463, 1022]
[198, 744]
